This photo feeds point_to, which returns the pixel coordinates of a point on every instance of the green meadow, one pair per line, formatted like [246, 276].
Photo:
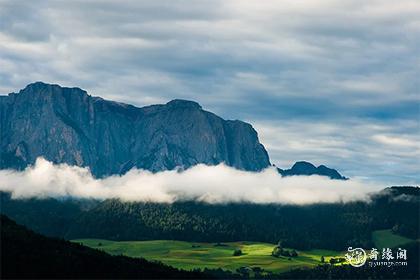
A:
[190, 255]
[387, 239]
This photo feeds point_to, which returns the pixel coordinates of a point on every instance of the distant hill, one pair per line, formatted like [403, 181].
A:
[307, 168]
[25, 254]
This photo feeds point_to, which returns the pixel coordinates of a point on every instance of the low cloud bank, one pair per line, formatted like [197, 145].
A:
[212, 184]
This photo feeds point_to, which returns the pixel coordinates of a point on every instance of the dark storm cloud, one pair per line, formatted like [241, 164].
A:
[283, 65]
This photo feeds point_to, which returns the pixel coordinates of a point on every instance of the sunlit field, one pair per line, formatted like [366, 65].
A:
[191, 255]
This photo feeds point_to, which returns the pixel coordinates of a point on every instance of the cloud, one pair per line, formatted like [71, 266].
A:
[212, 184]
[330, 62]
[398, 141]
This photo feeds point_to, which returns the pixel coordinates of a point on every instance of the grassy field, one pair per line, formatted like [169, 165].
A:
[189, 255]
[387, 239]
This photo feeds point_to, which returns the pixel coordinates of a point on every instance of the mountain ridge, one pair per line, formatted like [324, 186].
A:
[67, 125]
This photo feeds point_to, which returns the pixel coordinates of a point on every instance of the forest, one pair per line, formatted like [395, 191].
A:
[329, 226]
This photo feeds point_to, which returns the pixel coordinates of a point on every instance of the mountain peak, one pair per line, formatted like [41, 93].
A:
[307, 168]
[181, 103]
[303, 165]
[42, 87]
[35, 87]
[37, 84]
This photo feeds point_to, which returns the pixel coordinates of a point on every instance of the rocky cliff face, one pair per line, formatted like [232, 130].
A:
[66, 125]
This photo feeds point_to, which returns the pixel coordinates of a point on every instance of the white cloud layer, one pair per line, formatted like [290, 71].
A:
[212, 184]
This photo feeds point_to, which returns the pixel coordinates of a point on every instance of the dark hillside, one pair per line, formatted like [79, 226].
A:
[25, 254]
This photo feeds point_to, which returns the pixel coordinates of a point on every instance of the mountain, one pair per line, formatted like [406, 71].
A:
[66, 125]
[307, 168]
[26, 254]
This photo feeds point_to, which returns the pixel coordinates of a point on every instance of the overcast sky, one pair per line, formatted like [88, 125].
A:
[331, 82]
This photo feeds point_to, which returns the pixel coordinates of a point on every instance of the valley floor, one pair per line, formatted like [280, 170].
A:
[191, 255]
